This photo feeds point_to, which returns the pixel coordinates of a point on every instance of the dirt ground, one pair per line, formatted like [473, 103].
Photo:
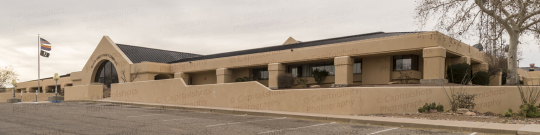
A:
[480, 117]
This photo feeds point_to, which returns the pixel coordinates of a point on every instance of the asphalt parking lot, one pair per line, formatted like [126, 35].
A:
[85, 118]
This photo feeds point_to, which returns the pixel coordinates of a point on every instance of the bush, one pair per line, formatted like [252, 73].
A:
[440, 108]
[285, 80]
[481, 78]
[529, 110]
[503, 80]
[245, 79]
[319, 75]
[508, 113]
[459, 73]
[427, 107]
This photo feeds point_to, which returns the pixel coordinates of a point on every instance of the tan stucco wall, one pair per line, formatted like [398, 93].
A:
[84, 92]
[376, 70]
[207, 77]
[46, 84]
[106, 50]
[349, 100]
[26, 97]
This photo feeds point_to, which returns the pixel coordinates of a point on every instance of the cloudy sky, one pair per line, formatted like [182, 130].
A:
[74, 28]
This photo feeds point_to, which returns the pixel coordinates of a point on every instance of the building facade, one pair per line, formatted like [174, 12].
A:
[359, 60]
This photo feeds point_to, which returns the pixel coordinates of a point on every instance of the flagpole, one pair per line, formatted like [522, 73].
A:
[39, 86]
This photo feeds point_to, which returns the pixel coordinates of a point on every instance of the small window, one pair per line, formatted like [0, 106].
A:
[357, 67]
[306, 70]
[260, 73]
[295, 70]
[405, 62]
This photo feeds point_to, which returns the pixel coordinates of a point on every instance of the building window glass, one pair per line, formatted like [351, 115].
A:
[260, 73]
[106, 74]
[405, 62]
[306, 70]
[357, 67]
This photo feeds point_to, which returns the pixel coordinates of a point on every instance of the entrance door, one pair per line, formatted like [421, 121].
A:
[106, 74]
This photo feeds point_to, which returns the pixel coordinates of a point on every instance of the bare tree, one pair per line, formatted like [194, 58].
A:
[7, 74]
[133, 76]
[494, 20]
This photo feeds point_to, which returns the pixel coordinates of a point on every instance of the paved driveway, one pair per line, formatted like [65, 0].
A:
[83, 118]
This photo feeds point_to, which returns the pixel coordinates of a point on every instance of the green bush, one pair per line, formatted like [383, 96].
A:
[440, 108]
[459, 73]
[529, 110]
[428, 107]
[319, 75]
[481, 78]
[508, 113]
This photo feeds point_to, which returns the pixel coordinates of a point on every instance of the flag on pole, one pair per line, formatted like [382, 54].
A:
[44, 54]
[45, 46]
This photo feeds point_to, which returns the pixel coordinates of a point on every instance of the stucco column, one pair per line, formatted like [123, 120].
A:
[274, 69]
[479, 67]
[182, 75]
[495, 80]
[27, 89]
[434, 59]
[223, 75]
[344, 71]
[44, 89]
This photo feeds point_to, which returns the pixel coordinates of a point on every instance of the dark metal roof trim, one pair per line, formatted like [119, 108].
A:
[139, 54]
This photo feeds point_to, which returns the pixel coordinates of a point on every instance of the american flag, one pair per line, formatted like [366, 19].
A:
[43, 41]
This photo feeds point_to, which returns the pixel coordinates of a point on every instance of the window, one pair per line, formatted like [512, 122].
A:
[306, 70]
[405, 62]
[106, 74]
[260, 73]
[357, 67]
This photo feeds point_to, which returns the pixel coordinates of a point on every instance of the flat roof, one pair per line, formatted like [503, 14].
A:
[297, 45]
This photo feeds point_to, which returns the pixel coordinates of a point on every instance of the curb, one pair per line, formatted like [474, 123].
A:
[481, 127]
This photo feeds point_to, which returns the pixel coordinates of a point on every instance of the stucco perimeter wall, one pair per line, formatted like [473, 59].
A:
[83, 92]
[26, 97]
[351, 100]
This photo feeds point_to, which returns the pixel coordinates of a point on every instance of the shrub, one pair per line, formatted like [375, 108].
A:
[245, 79]
[481, 78]
[465, 100]
[285, 80]
[529, 110]
[428, 107]
[319, 75]
[440, 108]
[503, 80]
[508, 113]
[459, 73]
[300, 81]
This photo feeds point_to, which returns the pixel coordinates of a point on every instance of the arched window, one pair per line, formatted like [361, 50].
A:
[106, 74]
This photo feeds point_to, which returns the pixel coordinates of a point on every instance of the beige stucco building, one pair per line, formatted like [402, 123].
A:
[365, 59]
[128, 73]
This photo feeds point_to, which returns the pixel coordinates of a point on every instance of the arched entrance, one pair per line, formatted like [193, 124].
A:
[106, 74]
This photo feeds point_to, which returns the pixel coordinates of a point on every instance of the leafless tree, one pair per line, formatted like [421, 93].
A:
[133, 76]
[494, 20]
[7, 74]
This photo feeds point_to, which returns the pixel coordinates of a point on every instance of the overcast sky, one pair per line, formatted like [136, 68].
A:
[74, 28]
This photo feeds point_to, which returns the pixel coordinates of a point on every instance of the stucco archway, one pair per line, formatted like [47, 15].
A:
[106, 74]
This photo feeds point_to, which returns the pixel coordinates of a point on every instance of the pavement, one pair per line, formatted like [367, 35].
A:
[119, 118]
